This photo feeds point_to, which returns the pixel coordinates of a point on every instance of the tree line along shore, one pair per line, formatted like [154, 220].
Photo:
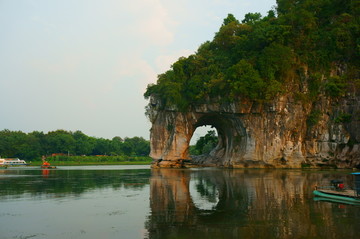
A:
[72, 148]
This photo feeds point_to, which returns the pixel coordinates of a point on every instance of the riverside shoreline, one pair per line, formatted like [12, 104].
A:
[70, 163]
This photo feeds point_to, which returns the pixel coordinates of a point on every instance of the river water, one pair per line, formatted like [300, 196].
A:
[137, 202]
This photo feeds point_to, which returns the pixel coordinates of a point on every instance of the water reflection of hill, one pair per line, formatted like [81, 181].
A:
[36, 182]
[245, 204]
[204, 203]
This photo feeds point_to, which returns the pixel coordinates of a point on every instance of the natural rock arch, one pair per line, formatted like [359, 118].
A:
[231, 135]
[275, 134]
[243, 137]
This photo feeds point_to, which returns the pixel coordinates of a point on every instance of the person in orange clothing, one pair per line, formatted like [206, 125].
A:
[45, 163]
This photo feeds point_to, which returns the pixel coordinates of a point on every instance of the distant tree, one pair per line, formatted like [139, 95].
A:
[206, 143]
[32, 148]
[102, 147]
[227, 36]
[84, 145]
[33, 145]
[60, 141]
[251, 18]
[229, 19]
[11, 143]
[116, 146]
[128, 147]
[136, 146]
[142, 146]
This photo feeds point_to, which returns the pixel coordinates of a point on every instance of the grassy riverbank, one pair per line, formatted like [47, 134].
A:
[96, 160]
[74, 163]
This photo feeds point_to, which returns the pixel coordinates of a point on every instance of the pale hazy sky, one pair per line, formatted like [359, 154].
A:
[85, 64]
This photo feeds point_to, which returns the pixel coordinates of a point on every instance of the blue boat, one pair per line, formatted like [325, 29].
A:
[337, 193]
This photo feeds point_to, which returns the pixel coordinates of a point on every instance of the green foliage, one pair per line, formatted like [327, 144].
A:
[275, 62]
[257, 58]
[314, 118]
[244, 80]
[251, 18]
[314, 83]
[335, 86]
[229, 19]
[205, 144]
[60, 141]
[193, 150]
[343, 118]
[33, 145]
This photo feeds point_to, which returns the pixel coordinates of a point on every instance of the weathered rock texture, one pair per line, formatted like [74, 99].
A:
[279, 134]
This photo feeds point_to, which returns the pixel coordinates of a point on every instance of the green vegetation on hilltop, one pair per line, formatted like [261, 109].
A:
[63, 143]
[300, 42]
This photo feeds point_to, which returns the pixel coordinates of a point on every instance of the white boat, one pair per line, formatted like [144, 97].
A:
[12, 162]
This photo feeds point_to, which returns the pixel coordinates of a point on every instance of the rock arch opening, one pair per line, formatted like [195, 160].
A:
[231, 136]
[204, 140]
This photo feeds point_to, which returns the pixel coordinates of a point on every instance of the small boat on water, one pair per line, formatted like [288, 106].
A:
[337, 192]
[12, 162]
[46, 164]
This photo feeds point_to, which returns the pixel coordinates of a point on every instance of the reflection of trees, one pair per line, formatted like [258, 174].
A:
[207, 190]
[251, 204]
[35, 182]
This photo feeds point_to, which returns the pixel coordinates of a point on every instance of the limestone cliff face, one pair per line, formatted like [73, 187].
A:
[279, 134]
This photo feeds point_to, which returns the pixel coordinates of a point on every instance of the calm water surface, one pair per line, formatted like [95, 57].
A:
[137, 202]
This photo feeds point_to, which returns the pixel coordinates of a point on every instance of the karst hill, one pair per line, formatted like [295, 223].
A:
[282, 91]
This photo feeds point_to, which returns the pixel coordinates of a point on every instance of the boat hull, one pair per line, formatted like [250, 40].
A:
[337, 198]
[48, 167]
[324, 199]
[11, 164]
